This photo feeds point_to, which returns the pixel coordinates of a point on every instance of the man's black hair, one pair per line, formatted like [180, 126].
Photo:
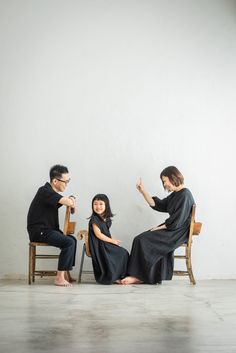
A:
[57, 170]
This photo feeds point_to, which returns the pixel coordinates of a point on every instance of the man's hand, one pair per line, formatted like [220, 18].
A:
[72, 207]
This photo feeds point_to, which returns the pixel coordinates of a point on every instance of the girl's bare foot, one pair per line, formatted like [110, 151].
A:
[131, 280]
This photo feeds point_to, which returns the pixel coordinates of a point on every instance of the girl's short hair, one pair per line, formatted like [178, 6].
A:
[102, 197]
[174, 175]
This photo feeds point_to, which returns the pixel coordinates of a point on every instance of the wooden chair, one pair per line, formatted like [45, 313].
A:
[83, 234]
[195, 228]
[69, 228]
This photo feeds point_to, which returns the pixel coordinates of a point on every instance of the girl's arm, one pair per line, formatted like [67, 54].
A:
[103, 237]
[147, 197]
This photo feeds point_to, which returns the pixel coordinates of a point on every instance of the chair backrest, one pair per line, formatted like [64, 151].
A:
[69, 227]
[195, 227]
[83, 233]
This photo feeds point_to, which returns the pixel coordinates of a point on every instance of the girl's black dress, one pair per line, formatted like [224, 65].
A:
[109, 261]
[151, 259]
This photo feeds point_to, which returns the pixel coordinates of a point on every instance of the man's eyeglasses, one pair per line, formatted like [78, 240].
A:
[64, 181]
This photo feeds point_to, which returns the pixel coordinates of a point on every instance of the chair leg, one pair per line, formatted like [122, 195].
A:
[189, 268]
[30, 265]
[68, 276]
[33, 262]
[81, 264]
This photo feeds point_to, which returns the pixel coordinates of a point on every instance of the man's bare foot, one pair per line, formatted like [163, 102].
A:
[62, 283]
[60, 279]
[131, 280]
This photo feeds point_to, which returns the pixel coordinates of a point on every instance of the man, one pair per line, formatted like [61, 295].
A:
[43, 223]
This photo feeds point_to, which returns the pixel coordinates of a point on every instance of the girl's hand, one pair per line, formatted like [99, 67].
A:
[116, 242]
[140, 185]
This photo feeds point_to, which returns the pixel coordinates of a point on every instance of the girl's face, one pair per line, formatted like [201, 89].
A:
[99, 207]
[167, 184]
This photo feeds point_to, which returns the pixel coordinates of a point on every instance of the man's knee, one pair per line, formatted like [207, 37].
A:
[70, 242]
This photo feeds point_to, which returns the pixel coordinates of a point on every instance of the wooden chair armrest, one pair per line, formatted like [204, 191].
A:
[69, 227]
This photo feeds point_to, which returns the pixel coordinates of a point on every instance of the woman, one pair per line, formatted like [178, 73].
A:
[151, 258]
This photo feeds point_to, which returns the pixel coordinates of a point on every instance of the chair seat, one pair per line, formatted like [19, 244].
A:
[34, 243]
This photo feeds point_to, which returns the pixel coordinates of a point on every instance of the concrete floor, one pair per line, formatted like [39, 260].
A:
[172, 317]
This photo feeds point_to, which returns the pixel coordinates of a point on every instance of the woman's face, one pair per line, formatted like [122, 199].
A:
[167, 184]
[99, 207]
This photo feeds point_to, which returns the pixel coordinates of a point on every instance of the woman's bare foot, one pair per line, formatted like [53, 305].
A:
[131, 280]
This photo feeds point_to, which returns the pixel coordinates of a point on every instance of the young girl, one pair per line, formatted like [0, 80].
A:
[108, 258]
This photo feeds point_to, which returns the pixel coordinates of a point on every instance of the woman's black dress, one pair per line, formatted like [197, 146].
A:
[109, 261]
[151, 259]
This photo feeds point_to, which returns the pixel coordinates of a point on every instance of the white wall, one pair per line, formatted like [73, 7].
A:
[116, 90]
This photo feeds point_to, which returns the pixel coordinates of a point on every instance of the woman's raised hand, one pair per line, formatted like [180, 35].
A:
[140, 185]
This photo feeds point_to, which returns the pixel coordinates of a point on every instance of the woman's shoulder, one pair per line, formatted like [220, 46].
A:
[186, 194]
[182, 194]
[186, 191]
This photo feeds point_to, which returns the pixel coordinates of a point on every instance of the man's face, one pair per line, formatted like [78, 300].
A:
[61, 183]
